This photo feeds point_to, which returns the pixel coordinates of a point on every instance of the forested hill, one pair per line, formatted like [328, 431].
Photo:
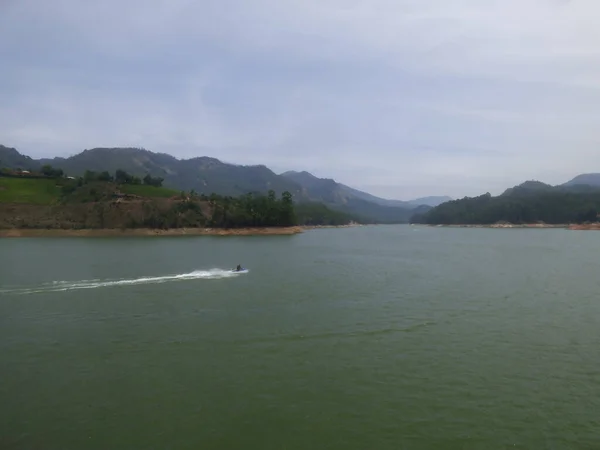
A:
[530, 202]
[206, 175]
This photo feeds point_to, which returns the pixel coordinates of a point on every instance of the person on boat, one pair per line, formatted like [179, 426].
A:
[238, 268]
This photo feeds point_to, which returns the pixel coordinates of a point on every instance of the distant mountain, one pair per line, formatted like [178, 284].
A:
[589, 179]
[328, 190]
[528, 187]
[430, 201]
[410, 204]
[352, 201]
[11, 158]
[380, 201]
[208, 175]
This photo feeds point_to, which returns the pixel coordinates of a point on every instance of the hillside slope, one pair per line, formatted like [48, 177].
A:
[34, 201]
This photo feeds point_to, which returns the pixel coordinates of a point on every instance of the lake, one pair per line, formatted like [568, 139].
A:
[379, 337]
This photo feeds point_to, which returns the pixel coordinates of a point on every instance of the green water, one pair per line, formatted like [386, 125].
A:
[386, 337]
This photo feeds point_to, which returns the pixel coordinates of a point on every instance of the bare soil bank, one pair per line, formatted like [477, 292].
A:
[588, 226]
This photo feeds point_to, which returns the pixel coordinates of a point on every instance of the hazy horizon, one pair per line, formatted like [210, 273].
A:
[401, 99]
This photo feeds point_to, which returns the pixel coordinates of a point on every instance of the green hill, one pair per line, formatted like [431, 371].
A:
[29, 190]
[47, 191]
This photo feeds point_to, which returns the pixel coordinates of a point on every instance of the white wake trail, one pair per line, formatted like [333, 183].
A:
[59, 286]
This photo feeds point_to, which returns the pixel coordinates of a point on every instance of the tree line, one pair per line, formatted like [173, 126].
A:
[121, 177]
[252, 210]
[89, 176]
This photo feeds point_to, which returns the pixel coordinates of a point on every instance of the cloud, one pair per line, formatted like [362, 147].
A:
[406, 98]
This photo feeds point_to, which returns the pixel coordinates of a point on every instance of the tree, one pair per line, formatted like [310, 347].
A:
[123, 177]
[50, 171]
[89, 176]
[287, 217]
[104, 176]
[46, 169]
[151, 181]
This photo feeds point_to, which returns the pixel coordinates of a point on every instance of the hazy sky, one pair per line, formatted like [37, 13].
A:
[401, 98]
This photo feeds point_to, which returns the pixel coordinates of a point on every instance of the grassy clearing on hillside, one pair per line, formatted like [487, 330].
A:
[38, 191]
[147, 191]
[28, 190]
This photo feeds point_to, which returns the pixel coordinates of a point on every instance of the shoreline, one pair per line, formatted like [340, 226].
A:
[589, 226]
[317, 227]
[132, 232]
[249, 231]
[504, 225]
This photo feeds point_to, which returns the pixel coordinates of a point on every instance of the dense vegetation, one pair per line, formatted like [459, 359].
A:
[48, 199]
[252, 211]
[530, 202]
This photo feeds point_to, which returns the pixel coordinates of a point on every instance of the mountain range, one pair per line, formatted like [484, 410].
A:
[207, 175]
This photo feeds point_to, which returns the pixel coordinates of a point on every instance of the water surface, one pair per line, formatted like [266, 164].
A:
[385, 337]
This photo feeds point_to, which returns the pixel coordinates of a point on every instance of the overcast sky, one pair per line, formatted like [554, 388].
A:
[401, 98]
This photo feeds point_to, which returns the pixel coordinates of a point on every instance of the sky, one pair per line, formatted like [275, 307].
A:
[400, 98]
